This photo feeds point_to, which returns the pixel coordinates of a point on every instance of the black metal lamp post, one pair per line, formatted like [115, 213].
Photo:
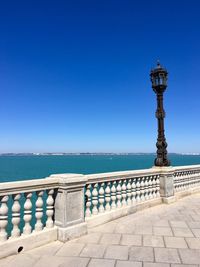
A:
[159, 84]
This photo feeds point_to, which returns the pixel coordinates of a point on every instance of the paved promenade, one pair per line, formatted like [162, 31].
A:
[165, 235]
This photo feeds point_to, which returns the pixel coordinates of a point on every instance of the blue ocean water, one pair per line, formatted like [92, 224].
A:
[13, 168]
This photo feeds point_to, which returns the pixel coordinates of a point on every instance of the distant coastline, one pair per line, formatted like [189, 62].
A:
[89, 154]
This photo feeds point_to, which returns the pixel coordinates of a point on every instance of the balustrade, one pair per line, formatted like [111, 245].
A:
[28, 207]
[116, 193]
[184, 179]
[17, 212]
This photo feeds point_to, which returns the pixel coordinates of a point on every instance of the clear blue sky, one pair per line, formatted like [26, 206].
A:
[74, 75]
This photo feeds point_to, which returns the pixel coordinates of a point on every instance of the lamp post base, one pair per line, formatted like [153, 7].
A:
[159, 162]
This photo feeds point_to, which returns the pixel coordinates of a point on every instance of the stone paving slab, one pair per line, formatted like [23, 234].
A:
[110, 239]
[167, 255]
[101, 263]
[141, 254]
[131, 240]
[161, 236]
[153, 241]
[175, 242]
[193, 243]
[117, 252]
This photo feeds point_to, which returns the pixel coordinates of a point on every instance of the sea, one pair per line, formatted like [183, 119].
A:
[16, 168]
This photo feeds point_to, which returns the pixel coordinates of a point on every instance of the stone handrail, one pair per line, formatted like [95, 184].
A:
[64, 206]
[110, 176]
[11, 188]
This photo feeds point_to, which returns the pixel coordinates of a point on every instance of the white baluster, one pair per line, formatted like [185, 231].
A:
[154, 187]
[39, 211]
[150, 188]
[197, 174]
[138, 190]
[124, 203]
[107, 196]
[182, 179]
[95, 199]
[3, 217]
[158, 186]
[50, 208]
[119, 194]
[175, 182]
[179, 182]
[27, 214]
[195, 179]
[16, 216]
[188, 181]
[185, 182]
[193, 173]
[133, 191]
[113, 196]
[146, 188]
[182, 183]
[101, 198]
[142, 189]
[88, 201]
[129, 192]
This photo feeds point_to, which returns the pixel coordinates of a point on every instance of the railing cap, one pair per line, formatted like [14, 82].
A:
[70, 179]
[164, 170]
[98, 177]
[27, 186]
[66, 175]
[187, 167]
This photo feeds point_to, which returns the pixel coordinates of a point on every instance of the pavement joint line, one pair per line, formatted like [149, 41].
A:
[57, 250]
[172, 231]
[142, 240]
[154, 256]
[104, 253]
[120, 239]
[101, 235]
[165, 245]
[180, 256]
[129, 250]
[82, 249]
[88, 262]
[100, 238]
[187, 242]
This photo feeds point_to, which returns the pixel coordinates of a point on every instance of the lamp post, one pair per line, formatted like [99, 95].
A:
[159, 85]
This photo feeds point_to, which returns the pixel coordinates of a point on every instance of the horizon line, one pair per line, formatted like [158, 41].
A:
[90, 153]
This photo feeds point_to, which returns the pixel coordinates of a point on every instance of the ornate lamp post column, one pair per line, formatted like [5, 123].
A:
[159, 85]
